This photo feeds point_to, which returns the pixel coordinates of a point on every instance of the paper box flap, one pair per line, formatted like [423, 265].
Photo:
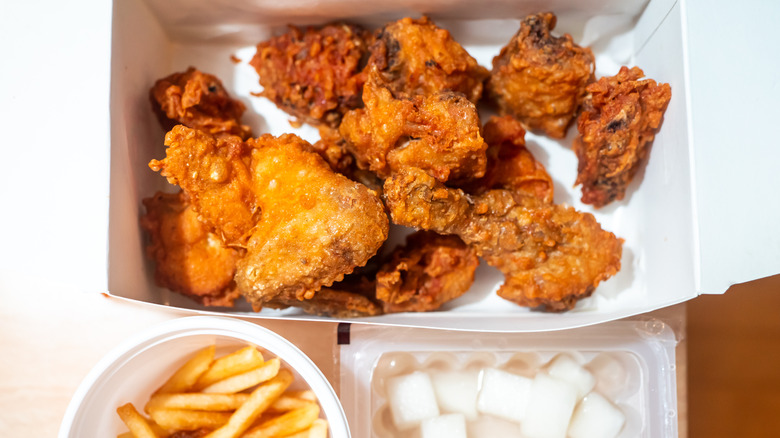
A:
[734, 92]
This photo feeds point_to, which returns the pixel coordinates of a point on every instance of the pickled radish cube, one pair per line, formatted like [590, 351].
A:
[456, 391]
[488, 426]
[596, 417]
[444, 426]
[565, 368]
[550, 407]
[504, 394]
[411, 399]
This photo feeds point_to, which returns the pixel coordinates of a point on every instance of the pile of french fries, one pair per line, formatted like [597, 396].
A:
[237, 395]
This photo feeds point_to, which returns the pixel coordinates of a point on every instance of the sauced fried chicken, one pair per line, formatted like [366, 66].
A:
[427, 272]
[620, 117]
[418, 57]
[437, 132]
[188, 258]
[550, 255]
[197, 100]
[314, 75]
[510, 165]
[540, 78]
[315, 227]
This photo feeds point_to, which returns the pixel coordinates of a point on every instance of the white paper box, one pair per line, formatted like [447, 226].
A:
[703, 217]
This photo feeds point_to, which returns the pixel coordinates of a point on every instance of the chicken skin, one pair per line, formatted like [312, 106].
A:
[510, 165]
[427, 272]
[540, 78]
[437, 132]
[620, 117]
[312, 225]
[316, 74]
[188, 258]
[551, 255]
[418, 57]
[197, 100]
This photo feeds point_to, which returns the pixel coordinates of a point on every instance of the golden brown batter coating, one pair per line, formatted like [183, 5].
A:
[510, 165]
[315, 227]
[427, 272]
[314, 75]
[620, 117]
[197, 100]
[437, 132]
[540, 78]
[550, 255]
[188, 258]
[418, 57]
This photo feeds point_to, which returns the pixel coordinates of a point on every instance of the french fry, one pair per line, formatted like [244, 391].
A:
[196, 402]
[287, 403]
[243, 360]
[306, 394]
[318, 429]
[286, 424]
[181, 419]
[245, 380]
[139, 427]
[260, 399]
[185, 377]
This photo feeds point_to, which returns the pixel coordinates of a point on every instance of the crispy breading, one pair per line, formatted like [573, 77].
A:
[188, 258]
[620, 117]
[197, 100]
[315, 226]
[216, 174]
[418, 57]
[510, 165]
[316, 74]
[540, 78]
[427, 272]
[551, 255]
[437, 132]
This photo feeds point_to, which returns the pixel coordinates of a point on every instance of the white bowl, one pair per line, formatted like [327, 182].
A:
[132, 371]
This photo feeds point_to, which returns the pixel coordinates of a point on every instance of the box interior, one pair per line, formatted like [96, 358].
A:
[156, 38]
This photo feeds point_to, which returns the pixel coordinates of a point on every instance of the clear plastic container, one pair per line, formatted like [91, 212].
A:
[633, 363]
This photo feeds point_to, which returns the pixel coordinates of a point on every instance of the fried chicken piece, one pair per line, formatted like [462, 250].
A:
[316, 74]
[620, 117]
[510, 165]
[188, 258]
[418, 57]
[540, 78]
[333, 149]
[197, 100]
[216, 174]
[437, 132]
[316, 225]
[550, 255]
[349, 298]
[427, 272]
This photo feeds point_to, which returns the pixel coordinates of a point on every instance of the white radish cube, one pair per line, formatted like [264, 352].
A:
[596, 417]
[504, 394]
[445, 426]
[411, 399]
[488, 426]
[565, 368]
[456, 391]
[550, 407]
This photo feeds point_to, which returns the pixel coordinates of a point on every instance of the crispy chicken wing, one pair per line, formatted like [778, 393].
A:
[198, 100]
[314, 75]
[188, 258]
[540, 78]
[620, 117]
[315, 225]
[550, 255]
[418, 57]
[510, 165]
[438, 132]
[427, 272]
